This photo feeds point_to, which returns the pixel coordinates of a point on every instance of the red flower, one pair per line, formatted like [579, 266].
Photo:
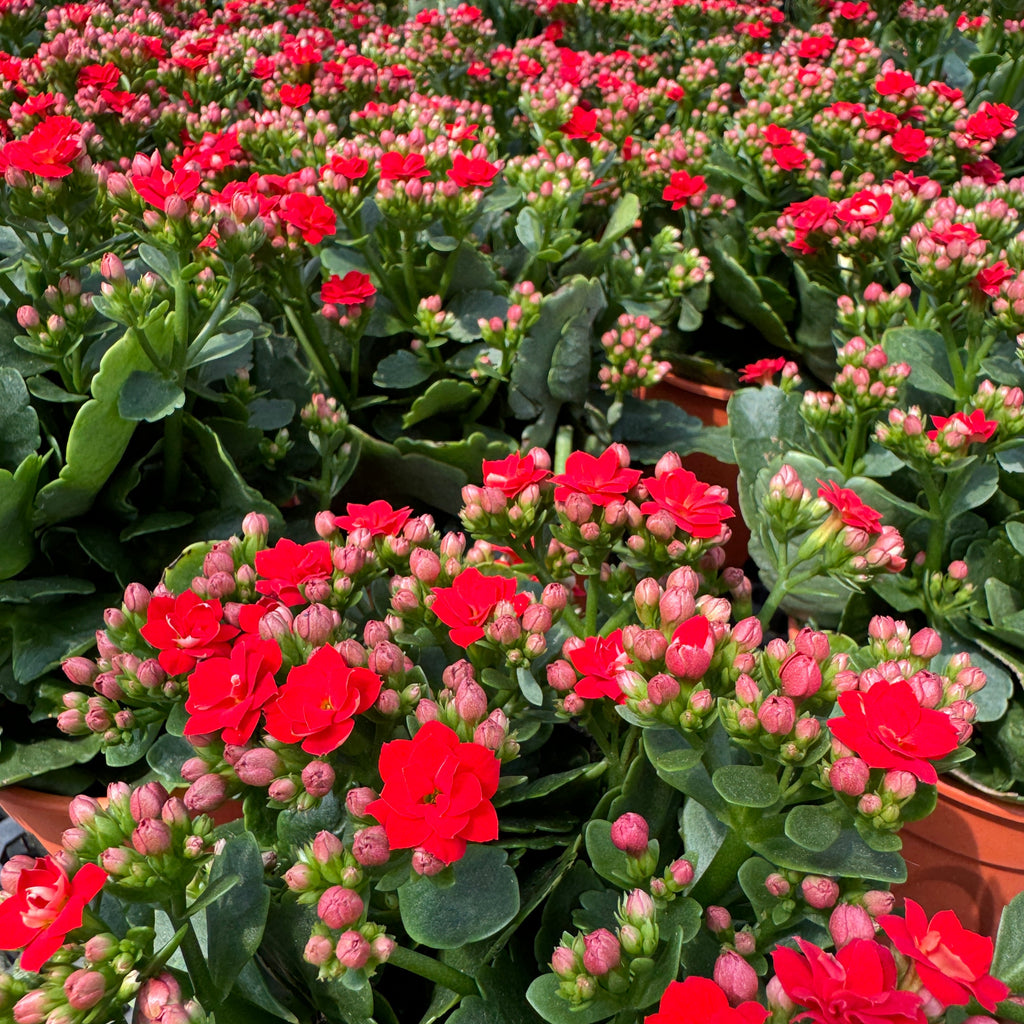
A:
[295, 95]
[513, 474]
[788, 158]
[896, 83]
[318, 701]
[309, 215]
[910, 143]
[470, 601]
[599, 660]
[681, 188]
[762, 371]
[378, 517]
[399, 167]
[43, 907]
[952, 962]
[886, 120]
[851, 509]
[864, 207]
[851, 11]
[351, 290]
[696, 507]
[472, 172]
[582, 124]
[185, 629]
[353, 168]
[810, 214]
[602, 479]
[888, 728]
[691, 648]
[437, 792]
[701, 1001]
[816, 47]
[159, 185]
[102, 76]
[48, 150]
[288, 566]
[974, 426]
[990, 279]
[856, 986]
[225, 695]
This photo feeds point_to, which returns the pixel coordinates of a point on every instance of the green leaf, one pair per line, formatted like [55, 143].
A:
[971, 486]
[481, 900]
[44, 389]
[569, 376]
[20, 761]
[744, 785]
[530, 230]
[1008, 960]
[270, 413]
[402, 369]
[529, 687]
[17, 490]
[212, 893]
[169, 753]
[848, 857]
[236, 920]
[817, 316]
[652, 427]
[296, 828]
[765, 424]
[27, 591]
[217, 347]
[739, 292]
[608, 860]
[547, 784]
[1011, 458]
[43, 640]
[813, 827]
[149, 396]
[161, 263]
[544, 996]
[443, 396]
[468, 307]
[19, 425]
[925, 352]
[140, 740]
[504, 995]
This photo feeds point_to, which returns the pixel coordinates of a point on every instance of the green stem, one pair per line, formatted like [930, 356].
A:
[321, 361]
[353, 369]
[219, 311]
[937, 526]
[778, 593]
[172, 454]
[953, 355]
[195, 961]
[484, 400]
[181, 302]
[855, 444]
[433, 970]
[409, 268]
[593, 597]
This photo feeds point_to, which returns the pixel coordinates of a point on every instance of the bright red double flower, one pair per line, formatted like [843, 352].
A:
[699, 1000]
[186, 629]
[852, 511]
[437, 793]
[602, 479]
[697, 508]
[309, 215]
[599, 660]
[378, 517]
[287, 566]
[513, 474]
[48, 151]
[470, 601]
[351, 290]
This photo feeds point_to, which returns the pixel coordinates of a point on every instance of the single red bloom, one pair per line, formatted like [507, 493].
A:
[699, 1000]
[310, 215]
[851, 11]
[470, 601]
[472, 172]
[263, 68]
[185, 629]
[681, 188]
[762, 371]
[287, 566]
[602, 479]
[855, 986]
[851, 509]
[776, 135]
[226, 695]
[437, 793]
[319, 700]
[378, 517]
[810, 214]
[896, 83]
[599, 660]
[888, 728]
[295, 95]
[974, 426]
[788, 158]
[582, 124]
[400, 167]
[910, 143]
[816, 47]
[989, 279]
[952, 962]
[159, 185]
[955, 232]
[352, 168]
[45, 905]
[697, 508]
[102, 76]
[864, 207]
[885, 120]
[48, 151]
[990, 120]
[351, 290]
[513, 474]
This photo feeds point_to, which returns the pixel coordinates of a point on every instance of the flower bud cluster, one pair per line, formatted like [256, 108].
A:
[875, 311]
[629, 356]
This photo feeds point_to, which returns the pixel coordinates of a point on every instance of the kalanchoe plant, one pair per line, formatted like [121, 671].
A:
[549, 767]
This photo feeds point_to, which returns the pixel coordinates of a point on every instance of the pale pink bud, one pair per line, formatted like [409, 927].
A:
[318, 778]
[682, 872]
[425, 565]
[777, 715]
[370, 846]
[258, 767]
[352, 951]
[358, 799]
[206, 794]
[902, 785]
[561, 676]
[151, 837]
[849, 775]
[319, 949]
[820, 892]
[737, 979]
[563, 962]
[256, 526]
[147, 801]
[84, 989]
[316, 623]
[425, 863]
[339, 907]
[630, 834]
[878, 902]
[800, 676]
[848, 922]
[777, 885]
[602, 952]
[662, 689]
[925, 643]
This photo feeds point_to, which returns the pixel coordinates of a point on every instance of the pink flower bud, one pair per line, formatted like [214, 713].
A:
[319, 950]
[747, 634]
[902, 785]
[258, 767]
[662, 689]
[745, 943]
[812, 643]
[849, 775]
[33, 1007]
[147, 801]
[748, 693]
[777, 715]
[425, 565]
[100, 948]
[639, 907]
[370, 846]
[339, 907]
[925, 643]
[80, 670]
[878, 902]
[630, 834]
[151, 837]
[206, 794]
[299, 877]
[563, 962]
[424, 863]
[554, 597]
[820, 892]
[682, 872]
[82, 810]
[326, 845]
[849, 922]
[470, 702]
[492, 731]
[602, 952]
[800, 676]
[318, 778]
[561, 676]
[778, 1000]
[717, 919]
[256, 526]
[84, 988]
[737, 979]
[150, 674]
[352, 951]
[777, 885]
[316, 623]
[358, 799]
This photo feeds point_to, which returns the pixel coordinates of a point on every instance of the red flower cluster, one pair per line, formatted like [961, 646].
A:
[513, 474]
[351, 290]
[378, 517]
[437, 792]
[599, 659]
[48, 151]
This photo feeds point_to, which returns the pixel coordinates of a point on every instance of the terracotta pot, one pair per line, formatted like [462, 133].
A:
[45, 815]
[967, 856]
[708, 403]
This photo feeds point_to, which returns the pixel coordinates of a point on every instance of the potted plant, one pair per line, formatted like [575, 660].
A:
[547, 768]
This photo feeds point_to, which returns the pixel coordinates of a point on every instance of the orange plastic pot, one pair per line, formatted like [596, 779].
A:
[708, 403]
[45, 815]
[967, 856]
